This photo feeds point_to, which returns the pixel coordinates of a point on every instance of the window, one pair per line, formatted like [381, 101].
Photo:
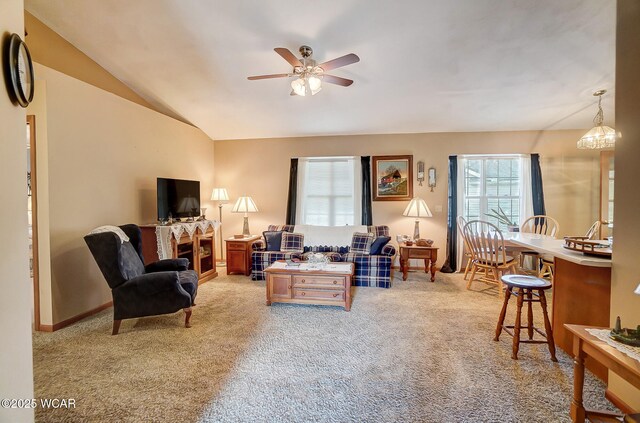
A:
[492, 183]
[329, 191]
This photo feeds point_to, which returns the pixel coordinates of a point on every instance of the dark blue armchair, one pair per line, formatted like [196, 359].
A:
[163, 287]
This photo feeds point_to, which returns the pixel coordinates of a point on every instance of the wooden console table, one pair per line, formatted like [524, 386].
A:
[428, 254]
[586, 345]
[301, 286]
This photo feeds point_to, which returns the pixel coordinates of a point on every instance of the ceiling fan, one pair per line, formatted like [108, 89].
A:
[308, 74]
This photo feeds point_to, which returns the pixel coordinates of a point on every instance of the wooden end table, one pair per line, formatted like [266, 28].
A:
[239, 254]
[428, 254]
[586, 345]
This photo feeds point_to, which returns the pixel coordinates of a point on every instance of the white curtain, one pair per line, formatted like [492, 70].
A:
[526, 188]
[303, 165]
[460, 198]
[357, 190]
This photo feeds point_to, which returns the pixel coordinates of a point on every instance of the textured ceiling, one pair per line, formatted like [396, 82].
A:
[426, 65]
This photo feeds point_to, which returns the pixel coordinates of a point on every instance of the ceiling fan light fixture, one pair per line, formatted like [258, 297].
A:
[297, 85]
[600, 136]
[315, 84]
[309, 75]
[304, 85]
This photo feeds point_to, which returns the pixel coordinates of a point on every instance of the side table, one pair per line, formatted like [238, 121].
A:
[239, 254]
[585, 345]
[428, 254]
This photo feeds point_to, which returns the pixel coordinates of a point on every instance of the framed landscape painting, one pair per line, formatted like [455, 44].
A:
[392, 178]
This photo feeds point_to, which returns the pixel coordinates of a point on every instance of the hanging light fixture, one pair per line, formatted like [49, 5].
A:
[600, 136]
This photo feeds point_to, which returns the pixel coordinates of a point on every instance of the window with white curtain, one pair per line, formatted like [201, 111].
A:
[492, 183]
[328, 191]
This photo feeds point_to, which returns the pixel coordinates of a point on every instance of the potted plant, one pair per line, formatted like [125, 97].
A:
[502, 217]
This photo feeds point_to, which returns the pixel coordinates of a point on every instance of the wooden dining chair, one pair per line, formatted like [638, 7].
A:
[594, 230]
[541, 225]
[486, 243]
[461, 221]
[546, 261]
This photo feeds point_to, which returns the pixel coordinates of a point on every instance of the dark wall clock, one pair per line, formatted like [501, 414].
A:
[20, 71]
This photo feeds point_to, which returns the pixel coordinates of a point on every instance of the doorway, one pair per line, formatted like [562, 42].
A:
[32, 213]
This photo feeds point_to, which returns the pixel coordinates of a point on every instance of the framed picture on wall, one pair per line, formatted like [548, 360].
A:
[392, 178]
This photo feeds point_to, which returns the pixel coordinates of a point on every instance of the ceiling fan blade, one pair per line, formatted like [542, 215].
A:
[275, 75]
[339, 62]
[288, 56]
[337, 80]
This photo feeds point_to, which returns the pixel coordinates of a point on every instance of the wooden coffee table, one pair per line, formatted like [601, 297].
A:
[428, 254]
[302, 285]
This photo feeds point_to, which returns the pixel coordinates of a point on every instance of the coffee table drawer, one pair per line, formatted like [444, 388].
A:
[324, 281]
[318, 294]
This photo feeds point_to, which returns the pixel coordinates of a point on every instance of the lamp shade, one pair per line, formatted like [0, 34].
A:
[637, 291]
[597, 138]
[417, 208]
[244, 205]
[219, 194]
[305, 84]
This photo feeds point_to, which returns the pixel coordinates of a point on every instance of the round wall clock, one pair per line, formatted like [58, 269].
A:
[20, 70]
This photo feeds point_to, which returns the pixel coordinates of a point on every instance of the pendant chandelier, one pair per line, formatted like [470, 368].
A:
[600, 136]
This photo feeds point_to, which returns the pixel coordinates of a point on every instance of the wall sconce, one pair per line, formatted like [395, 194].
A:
[420, 172]
[432, 178]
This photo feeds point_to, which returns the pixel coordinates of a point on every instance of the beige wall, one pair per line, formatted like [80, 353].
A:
[626, 230]
[16, 368]
[103, 156]
[50, 49]
[260, 168]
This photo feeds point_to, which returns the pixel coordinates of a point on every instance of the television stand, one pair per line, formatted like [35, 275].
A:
[199, 250]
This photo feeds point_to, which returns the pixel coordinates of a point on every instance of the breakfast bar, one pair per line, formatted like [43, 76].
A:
[581, 289]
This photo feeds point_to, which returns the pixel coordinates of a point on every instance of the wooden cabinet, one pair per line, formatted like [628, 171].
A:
[199, 250]
[239, 255]
[309, 286]
[280, 287]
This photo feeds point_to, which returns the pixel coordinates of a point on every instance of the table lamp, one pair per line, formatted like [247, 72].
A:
[220, 195]
[245, 205]
[417, 208]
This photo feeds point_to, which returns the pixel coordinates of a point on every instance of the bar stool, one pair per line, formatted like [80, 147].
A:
[526, 288]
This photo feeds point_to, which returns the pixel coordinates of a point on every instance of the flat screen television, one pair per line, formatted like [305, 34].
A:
[178, 197]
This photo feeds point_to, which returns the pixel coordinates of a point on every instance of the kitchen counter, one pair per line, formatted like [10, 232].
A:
[548, 245]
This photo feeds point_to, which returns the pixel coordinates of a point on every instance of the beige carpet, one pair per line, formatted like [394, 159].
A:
[418, 352]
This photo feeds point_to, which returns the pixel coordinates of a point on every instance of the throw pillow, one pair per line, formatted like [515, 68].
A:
[361, 242]
[273, 240]
[378, 244]
[292, 242]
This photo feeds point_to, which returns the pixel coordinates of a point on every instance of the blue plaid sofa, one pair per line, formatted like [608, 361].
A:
[370, 270]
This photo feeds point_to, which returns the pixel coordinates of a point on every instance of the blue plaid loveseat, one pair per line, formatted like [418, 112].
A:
[370, 270]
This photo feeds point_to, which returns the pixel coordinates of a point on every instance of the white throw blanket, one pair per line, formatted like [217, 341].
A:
[108, 228]
[332, 236]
